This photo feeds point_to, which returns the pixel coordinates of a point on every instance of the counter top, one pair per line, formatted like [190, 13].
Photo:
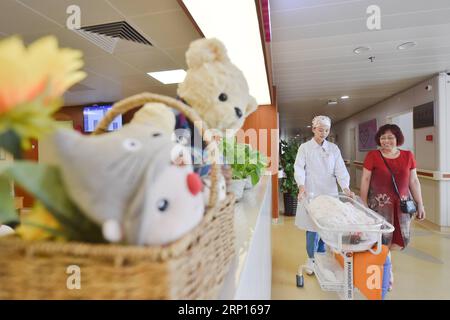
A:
[250, 272]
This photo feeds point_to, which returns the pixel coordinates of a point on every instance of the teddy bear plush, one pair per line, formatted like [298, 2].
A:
[215, 87]
[218, 91]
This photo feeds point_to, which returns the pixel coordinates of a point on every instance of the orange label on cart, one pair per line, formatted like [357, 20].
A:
[368, 272]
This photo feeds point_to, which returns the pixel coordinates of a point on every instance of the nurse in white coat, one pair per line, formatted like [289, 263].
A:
[318, 166]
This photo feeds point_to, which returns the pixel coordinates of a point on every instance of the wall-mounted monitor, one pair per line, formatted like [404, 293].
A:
[94, 113]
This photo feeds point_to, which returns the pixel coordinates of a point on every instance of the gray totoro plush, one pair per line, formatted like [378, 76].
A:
[116, 180]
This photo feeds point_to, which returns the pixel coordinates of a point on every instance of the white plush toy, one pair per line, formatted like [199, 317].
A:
[156, 115]
[171, 208]
[127, 182]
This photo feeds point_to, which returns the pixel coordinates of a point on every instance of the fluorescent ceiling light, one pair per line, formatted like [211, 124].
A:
[345, 97]
[235, 23]
[169, 76]
[407, 45]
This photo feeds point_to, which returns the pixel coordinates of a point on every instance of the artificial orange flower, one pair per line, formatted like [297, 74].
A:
[42, 69]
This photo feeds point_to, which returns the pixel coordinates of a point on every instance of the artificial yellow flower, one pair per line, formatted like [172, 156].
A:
[60, 66]
[28, 73]
[32, 82]
[40, 224]
[18, 82]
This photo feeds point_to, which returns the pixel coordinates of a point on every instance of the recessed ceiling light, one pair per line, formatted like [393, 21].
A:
[308, 126]
[345, 97]
[235, 23]
[168, 76]
[361, 50]
[332, 101]
[407, 45]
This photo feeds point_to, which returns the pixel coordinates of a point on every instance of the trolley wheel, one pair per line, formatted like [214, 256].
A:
[300, 281]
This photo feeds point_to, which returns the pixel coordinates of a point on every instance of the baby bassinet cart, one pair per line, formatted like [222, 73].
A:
[344, 240]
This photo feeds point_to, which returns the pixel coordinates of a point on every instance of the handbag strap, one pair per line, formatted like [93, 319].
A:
[392, 175]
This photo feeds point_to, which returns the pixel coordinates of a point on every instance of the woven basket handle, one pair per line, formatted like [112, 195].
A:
[132, 102]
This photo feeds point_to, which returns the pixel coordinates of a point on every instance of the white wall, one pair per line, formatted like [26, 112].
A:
[443, 123]
[398, 104]
[426, 151]
[443, 141]
[405, 121]
[430, 155]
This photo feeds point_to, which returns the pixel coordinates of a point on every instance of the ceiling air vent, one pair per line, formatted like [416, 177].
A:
[120, 29]
[106, 43]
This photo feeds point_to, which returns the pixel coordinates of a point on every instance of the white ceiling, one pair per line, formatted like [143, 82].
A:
[110, 76]
[313, 59]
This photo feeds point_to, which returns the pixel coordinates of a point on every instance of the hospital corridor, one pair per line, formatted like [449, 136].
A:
[236, 150]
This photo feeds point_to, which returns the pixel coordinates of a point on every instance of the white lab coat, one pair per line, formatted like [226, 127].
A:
[317, 168]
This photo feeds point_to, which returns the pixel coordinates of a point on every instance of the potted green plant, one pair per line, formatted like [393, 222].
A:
[247, 165]
[289, 186]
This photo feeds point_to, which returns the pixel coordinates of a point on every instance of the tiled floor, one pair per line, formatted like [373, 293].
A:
[422, 271]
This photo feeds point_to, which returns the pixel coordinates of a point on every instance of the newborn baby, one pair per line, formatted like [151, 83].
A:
[330, 212]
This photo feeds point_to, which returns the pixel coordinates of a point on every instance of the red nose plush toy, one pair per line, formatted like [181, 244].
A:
[194, 183]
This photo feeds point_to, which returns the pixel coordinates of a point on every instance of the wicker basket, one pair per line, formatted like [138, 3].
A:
[192, 267]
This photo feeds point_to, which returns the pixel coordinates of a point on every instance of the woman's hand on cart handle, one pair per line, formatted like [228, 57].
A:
[301, 192]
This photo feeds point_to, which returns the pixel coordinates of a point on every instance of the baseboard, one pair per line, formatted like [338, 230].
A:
[432, 226]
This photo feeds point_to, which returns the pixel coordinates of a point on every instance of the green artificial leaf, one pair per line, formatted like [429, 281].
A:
[10, 141]
[8, 212]
[32, 119]
[45, 184]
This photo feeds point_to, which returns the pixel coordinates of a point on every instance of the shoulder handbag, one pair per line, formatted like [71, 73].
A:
[406, 206]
